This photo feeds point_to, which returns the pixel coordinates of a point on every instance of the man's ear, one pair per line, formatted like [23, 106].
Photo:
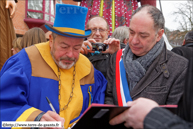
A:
[159, 34]
[108, 32]
[125, 41]
[184, 42]
[50, 40]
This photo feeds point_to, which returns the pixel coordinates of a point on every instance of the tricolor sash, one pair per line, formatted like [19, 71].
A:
[122, 88]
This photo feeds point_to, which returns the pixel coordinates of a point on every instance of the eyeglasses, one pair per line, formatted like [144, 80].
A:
[94, 30]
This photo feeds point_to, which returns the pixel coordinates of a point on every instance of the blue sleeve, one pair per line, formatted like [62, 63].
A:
[14, 88]
[100, 87]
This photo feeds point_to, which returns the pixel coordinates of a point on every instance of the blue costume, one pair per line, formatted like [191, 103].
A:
[31, 75]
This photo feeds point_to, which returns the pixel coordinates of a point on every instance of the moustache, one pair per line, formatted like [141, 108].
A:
[68, 58]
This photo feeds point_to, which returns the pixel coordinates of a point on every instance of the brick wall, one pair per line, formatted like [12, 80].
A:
[18, 20]
[70, 2]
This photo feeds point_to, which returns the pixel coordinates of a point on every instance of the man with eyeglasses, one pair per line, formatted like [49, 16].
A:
[100, 33]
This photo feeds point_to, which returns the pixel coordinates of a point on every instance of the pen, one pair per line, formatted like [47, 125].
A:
[51, 105]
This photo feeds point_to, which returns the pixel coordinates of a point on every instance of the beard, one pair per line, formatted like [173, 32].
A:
[66, 65]
[62, 65]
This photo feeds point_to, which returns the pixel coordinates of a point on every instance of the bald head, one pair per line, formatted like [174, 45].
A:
[155, 14]
[98, 18]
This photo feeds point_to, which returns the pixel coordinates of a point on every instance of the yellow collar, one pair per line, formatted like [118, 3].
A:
[83, 65]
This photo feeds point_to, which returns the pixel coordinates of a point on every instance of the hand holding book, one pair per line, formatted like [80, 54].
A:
[102, 116]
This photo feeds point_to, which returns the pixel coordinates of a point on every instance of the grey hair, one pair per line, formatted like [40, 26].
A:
[121, 33]
[189, 36]
[156, 15]
[54, 35]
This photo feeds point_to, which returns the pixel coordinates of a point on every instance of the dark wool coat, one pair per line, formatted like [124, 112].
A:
[185, 51]
[163, 81]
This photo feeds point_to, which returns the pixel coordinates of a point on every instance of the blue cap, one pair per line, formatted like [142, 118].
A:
[70, 21]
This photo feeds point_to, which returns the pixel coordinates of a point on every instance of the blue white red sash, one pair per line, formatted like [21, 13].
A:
[122, 88]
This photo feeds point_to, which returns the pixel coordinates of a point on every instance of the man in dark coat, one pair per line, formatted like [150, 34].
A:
[145, 113]
[121, 33]
[145, 68]
[187, 48]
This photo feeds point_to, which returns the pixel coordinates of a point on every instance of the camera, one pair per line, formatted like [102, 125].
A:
[98, 46]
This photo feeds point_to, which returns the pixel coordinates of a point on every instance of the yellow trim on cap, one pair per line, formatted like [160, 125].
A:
[71, 30]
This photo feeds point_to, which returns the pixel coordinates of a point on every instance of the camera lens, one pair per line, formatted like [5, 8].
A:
[100, 48]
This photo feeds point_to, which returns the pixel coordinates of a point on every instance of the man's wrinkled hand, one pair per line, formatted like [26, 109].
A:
[52, 116]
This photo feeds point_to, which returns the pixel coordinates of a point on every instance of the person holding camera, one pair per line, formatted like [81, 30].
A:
[94, 46]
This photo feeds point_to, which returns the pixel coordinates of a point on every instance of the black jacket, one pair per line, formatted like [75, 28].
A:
[160, 118]
[163, 81]
[185, 51]
[101, 61]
